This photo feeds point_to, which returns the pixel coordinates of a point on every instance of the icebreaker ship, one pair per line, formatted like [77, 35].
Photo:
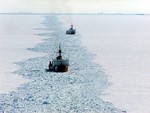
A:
[58, 64]
[71, 31]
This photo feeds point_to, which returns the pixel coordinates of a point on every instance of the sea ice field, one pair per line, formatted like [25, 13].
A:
[77, 91]
[16, 34]
[109, 64]
[121, 45]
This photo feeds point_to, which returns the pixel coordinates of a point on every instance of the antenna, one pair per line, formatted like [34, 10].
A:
[59, 50]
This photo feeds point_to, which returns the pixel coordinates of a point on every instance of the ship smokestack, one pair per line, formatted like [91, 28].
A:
[71, 26]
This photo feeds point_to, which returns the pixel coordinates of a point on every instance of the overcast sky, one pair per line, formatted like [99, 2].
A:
[75, 6]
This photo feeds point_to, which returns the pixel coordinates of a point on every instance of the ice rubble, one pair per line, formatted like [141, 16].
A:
[77, 91]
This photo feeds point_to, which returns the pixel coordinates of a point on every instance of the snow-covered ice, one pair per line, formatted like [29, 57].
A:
[120, 47]
[77, 91]
[121, 44]
[16, 34]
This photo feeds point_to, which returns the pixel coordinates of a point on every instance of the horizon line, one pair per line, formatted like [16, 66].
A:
[30, 13]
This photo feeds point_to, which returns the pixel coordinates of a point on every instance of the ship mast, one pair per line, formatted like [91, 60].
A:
[59, 51]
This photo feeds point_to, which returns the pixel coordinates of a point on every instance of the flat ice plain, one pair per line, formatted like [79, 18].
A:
[16, 35]
[121, 44]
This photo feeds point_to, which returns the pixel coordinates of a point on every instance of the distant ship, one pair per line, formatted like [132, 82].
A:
[71, 31]
[58, 64]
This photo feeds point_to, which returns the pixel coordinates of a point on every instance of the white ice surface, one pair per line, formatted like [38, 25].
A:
[121, 44]
[16, 35]
[122, 47]
[76, 91]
